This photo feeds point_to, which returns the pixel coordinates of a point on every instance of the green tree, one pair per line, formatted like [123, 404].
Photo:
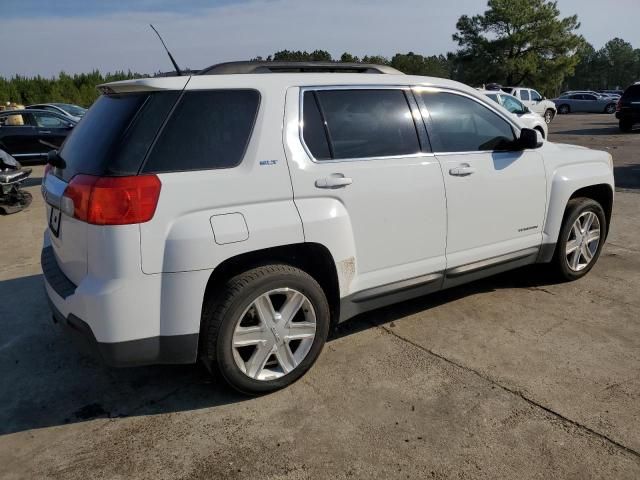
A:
[348, 58]
[621, 63]
[414, 64]
[516, 42]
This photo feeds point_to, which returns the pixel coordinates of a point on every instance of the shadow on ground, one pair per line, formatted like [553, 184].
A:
[45, 381]
[627, 176]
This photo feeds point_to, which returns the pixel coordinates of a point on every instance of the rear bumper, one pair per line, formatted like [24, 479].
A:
[146, 351]
[110, 319]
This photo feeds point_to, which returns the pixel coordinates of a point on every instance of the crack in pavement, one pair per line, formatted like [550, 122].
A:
[517, 393]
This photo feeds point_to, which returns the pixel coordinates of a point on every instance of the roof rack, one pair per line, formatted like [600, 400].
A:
[295, 67]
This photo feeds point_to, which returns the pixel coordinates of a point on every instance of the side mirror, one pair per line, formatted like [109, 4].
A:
[529, 139]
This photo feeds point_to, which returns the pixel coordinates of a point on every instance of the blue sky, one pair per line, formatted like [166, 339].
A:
[45, 37]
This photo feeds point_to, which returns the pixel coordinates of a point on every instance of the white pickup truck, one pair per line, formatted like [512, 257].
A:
[536, 102]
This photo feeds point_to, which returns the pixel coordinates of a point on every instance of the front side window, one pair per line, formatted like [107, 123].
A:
[524, 95]
[366, 123]
[208, 129]
[460, 124]
[535, 96]
[45, 120]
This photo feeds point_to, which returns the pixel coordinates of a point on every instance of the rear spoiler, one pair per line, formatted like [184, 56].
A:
[143, 85]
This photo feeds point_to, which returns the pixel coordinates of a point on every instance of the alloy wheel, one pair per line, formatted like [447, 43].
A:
[274, 334]
[548, 116]
[583, 241]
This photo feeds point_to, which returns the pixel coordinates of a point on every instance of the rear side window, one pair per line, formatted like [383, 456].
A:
[524, 95]
[115, 134]
[313, 129]
[460, 124]
[207, 130]
[368, 123]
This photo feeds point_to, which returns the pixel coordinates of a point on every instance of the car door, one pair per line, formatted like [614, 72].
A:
[359, 157]
[52, 129]
[496, 195]
[525, 97]
[17, 134]
[536, 102]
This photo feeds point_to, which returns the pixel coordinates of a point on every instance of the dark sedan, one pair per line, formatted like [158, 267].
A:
[32, 133]
[584, 102]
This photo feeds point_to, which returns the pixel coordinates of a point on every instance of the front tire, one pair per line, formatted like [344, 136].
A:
[625, 126]
[266, 328]
[582, 235]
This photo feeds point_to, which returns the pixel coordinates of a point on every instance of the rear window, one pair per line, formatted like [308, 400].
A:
[115, 134]
[208, 129]
[632, 93]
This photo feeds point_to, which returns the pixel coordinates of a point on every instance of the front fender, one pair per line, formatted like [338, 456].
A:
[565, 181]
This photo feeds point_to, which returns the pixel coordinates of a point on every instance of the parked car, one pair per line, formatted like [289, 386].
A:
[613, 92]
[516, 107]
[240, 217]
[536, 102]
[32, 133]
[74, 112]
[628, 108]
[585, 102]
[591, 92]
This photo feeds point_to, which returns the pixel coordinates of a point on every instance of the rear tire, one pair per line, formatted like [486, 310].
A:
[245, 333]
[578, 249]
[564, 109]
[611, 108]
[625, 126]
[539, 129]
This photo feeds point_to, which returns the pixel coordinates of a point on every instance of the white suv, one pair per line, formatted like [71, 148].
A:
[235, 218]
[536, 102]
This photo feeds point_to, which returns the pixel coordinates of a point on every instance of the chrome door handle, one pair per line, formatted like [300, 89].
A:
[462, 171]
[337, 180]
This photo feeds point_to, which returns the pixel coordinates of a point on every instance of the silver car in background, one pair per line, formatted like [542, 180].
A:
[585, 102]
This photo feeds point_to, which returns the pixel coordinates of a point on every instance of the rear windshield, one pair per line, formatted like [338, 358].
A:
[115, 134]
[632, 93]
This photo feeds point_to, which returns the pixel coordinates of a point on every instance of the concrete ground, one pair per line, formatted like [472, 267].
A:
[510, 377]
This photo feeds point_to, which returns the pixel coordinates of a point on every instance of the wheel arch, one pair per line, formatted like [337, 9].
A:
[313, 258]
[591, 181]
[601, 193]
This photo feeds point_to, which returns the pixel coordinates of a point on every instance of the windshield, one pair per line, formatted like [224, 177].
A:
[513, 105]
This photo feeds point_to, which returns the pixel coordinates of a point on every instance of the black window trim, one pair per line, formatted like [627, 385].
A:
[183, 92]
[417, 89]
[409, 97]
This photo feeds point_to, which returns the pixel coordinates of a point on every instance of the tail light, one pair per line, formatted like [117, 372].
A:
[47, 169]
[619, 104]
[114, 200]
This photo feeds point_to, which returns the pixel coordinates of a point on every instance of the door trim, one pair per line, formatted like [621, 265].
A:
[394, 287]
[491, 262]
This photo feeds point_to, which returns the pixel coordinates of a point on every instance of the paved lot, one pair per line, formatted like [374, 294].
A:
[511, 377]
